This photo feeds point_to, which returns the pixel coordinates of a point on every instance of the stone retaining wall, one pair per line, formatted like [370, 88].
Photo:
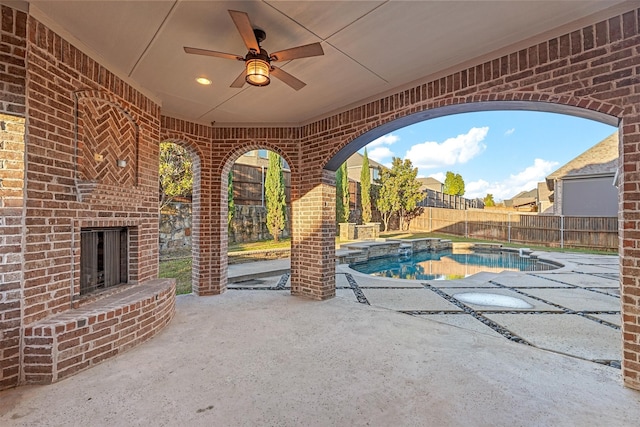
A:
[248, 225]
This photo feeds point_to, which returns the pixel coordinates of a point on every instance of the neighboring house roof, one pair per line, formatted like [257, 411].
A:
[523, 198]
[429, 181]
[356, 160]
[601, 159]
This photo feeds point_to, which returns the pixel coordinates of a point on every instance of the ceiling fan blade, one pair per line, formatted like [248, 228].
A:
[313, 49]
[205, 52]
[243, 24]
[240, 80]
[287, 78]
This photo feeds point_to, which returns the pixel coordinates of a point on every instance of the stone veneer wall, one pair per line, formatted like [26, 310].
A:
[248, 225]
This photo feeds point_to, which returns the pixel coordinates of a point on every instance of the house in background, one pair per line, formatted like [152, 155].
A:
[586, 185]
[354, 166]
[524, 201]
[544, 197]
[259, 158]
[430, 183]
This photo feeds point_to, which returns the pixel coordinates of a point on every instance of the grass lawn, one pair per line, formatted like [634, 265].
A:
[179, 269]
[261, 245]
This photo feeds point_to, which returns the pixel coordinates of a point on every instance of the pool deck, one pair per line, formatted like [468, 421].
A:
[383, 352]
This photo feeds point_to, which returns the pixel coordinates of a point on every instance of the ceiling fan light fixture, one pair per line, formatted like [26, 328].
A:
[203, 81]
[257, 72]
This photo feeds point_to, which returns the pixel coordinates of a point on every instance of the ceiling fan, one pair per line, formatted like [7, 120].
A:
[258, 61]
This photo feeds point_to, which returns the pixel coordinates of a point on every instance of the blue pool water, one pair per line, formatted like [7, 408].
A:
[448, 265]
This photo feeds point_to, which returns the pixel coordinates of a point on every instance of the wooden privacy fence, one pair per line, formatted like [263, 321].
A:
[517, 227]
[249, 182]
[437, 199]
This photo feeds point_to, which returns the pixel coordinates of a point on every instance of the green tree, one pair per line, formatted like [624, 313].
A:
[275, 196]
[342, 194]
[231, 205]
[386, 197]
[175, 172]
[488, 200]
[365, 188]
[399, 192]
[453, 184]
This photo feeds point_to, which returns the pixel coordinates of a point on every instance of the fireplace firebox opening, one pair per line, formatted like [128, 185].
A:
[103, 258]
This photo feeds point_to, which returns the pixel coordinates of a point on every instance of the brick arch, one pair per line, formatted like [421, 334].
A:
[196, 139]
[185, 142]
[106, 97]
[221, 173]
[580, 107]
[234, 154]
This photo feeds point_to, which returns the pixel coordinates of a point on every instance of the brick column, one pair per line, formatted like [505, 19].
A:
[629, 224]
[313, 236]
[217, 243]
[202, 241]
[12, 169]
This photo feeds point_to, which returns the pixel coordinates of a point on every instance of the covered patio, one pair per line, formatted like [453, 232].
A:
[89, 90]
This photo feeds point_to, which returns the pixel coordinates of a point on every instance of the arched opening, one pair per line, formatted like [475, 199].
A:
[256, 203]
[248, 180]
[179, 231]
[585, 295]
[366, 137]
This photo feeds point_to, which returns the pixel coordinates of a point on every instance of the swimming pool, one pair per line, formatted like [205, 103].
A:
[448, 265]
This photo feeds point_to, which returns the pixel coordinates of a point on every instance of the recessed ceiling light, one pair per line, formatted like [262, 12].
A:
[203, 81]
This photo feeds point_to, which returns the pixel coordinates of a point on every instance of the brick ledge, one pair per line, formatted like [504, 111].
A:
[77, 339]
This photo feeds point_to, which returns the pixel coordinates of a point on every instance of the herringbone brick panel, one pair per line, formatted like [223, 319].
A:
[106, 135]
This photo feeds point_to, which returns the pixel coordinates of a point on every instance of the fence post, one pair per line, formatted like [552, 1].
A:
[509, 227]
[466, 224]
[430, 220]
[562, 231]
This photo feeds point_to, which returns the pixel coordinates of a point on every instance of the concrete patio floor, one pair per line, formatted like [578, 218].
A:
[382, 353]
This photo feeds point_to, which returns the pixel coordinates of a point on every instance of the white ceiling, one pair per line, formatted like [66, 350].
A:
[371, 47]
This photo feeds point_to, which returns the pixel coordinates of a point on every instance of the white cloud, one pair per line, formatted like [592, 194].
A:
[388, 139]
[440, 176]
[379, 154]
[510, 132]
[525, 180]
[476, 189]
[456, 150]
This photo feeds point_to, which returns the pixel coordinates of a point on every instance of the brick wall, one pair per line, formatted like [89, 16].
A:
[12, 146]
[215, 151]
[69, 191]
[593, 69]
[66, 185]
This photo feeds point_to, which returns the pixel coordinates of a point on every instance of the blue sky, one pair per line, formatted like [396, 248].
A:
[497, 152]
